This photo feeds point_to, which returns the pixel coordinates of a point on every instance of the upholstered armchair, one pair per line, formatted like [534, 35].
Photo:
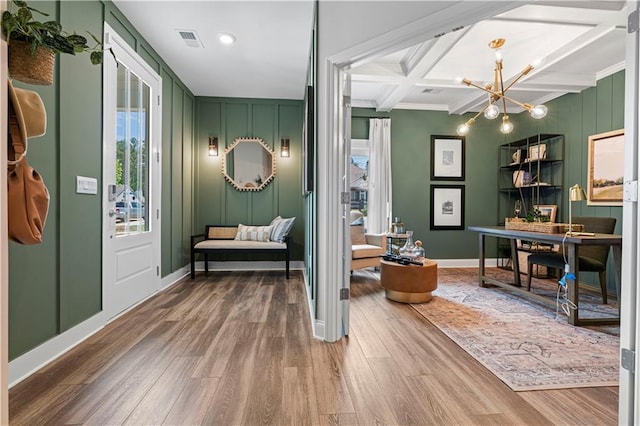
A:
[366, 248]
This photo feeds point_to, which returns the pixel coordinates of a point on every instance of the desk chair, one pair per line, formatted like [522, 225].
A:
[590, 259]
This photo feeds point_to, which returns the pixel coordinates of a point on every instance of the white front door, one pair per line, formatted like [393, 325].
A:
[131, 163]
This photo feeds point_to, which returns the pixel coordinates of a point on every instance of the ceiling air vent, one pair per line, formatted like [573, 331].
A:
[190, 38]
[432, 91]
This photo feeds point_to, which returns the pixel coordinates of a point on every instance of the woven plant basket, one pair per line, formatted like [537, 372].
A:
[28, 68]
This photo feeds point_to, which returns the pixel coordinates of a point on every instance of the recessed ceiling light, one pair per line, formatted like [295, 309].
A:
[226, 38]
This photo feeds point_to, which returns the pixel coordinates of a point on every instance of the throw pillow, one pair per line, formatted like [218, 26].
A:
[281, 227]
[357, 235]
[253, 233]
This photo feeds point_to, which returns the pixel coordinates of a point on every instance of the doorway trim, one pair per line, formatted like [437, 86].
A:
[115, 43]
[330, 153]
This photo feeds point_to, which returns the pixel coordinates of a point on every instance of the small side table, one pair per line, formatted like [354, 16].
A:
[409, 283]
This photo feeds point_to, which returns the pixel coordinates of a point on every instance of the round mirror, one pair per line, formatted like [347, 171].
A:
[249, 164]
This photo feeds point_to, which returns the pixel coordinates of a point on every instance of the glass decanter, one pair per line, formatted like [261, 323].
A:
[407, 248]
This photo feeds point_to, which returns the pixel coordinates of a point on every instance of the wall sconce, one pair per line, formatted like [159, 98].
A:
[284, 148]
[213, 147]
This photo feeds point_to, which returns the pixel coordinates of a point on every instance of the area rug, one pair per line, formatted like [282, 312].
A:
[522, 343]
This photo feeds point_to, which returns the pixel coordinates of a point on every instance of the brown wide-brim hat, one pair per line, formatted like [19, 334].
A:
[30, 112]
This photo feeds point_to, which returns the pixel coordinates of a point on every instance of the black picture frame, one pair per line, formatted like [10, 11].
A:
[308, 137]
[447, 157]
[447, 208]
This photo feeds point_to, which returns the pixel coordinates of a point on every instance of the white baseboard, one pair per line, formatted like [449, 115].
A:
[317, 327]
[465, 263]
[27, 364]
[238, 265]
[174, 277]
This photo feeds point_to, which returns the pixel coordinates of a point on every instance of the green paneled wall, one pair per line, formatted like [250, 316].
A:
[58, 284]
[217, 202]
[595, 110]
[410, 161]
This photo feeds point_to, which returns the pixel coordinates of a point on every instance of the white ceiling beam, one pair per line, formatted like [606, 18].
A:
[556, 81]
[560, 53]
[430, 58]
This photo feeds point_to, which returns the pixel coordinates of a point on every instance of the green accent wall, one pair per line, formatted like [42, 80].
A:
[411, 132]
[595, 110]
[216, 201]
[56, 285]
[577, 116]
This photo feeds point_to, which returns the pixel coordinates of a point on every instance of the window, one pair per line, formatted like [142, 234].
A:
[358, 174]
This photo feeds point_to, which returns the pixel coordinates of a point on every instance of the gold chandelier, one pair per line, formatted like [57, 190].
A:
[497, 92]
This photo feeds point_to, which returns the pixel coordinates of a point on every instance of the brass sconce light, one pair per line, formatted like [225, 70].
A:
[213, 147]
[284, 148]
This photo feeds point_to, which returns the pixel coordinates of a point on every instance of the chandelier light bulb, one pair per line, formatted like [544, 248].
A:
[492, 112]
[463, 129]
[506, 127]
[539, 111]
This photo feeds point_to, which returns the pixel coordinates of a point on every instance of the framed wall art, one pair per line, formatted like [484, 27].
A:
[606, 169]
[447, 207]
[447, 157]
[549, 210]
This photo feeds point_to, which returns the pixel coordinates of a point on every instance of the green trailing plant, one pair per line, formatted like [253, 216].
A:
[19, 24]
[535, 215]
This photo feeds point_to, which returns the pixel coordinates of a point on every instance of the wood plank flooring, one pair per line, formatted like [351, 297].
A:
[236, 348]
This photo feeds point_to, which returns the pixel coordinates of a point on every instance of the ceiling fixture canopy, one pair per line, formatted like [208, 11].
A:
[497, 91]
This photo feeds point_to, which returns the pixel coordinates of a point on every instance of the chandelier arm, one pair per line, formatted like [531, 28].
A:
[524, 72]
[504, 101]
[498, 95]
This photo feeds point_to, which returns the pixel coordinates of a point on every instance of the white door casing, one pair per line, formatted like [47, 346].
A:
[131, 190]
[629, 327]
[346, 187]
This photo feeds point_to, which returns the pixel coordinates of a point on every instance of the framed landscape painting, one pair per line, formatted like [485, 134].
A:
[447, 157]
[447, 207]
[606, 169]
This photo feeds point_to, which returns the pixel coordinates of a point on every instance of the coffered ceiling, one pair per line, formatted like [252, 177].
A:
[571, 43]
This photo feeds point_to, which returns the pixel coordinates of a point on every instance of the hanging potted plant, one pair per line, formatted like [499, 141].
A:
[33, 44]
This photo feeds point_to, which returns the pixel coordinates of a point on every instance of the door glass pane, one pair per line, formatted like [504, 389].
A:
[132, 154]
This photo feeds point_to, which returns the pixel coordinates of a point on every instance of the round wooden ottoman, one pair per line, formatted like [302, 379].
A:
[409, 283]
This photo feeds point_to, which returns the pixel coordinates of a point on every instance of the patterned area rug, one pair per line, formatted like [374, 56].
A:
[522, 342]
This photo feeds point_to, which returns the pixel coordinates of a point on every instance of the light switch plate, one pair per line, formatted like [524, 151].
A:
[86, 185]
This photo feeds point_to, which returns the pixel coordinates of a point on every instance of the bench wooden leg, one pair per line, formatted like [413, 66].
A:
[287, 261]
[206, 264]
[193, 264]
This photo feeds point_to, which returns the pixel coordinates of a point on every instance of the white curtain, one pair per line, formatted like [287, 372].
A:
[379, 197]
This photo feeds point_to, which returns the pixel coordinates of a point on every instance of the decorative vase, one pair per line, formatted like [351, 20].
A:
[418, 251]
[407, 249]
[36, 68]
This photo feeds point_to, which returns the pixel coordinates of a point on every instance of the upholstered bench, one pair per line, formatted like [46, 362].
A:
[222, 239]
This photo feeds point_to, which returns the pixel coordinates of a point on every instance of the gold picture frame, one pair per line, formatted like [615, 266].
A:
[606, 169]
[550, 210]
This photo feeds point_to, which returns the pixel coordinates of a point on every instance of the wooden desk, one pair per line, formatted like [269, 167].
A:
[572, 244]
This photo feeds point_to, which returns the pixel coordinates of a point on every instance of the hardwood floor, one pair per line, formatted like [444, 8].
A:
[236, 348]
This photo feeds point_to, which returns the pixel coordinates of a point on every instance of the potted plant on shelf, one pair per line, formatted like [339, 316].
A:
[33, 44]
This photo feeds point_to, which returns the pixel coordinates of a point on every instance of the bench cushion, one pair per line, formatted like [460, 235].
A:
[237, 244]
